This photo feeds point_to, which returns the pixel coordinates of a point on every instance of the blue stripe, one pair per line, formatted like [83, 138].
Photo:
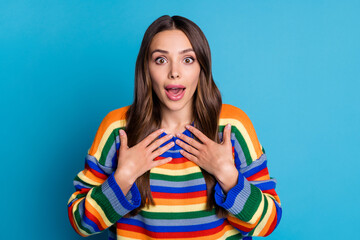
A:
[255, 169]
[80, 187]
[278, 213]
[265, 185]
[95, 167]
[86, 220]
[178, 190]
[189, 228]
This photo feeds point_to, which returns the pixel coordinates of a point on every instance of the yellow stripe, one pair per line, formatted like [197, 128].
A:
[105, 136]
[258, 212]
[93, 203]
[243, 132]
[88, 180]
[75, 207]
[180, 208]
[229, 233]
[179, 172]
[264, 221]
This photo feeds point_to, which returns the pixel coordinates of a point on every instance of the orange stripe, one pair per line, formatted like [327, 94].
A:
[261, 178]
[136, 235]
[72, 218]
[94, 212]
[91, 175]
[115, 115]
[178, 166]
[229, 111]
[242, 223]
[269, 221]
[176, 202]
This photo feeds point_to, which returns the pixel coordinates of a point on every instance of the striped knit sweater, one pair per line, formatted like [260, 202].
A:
[178, 189]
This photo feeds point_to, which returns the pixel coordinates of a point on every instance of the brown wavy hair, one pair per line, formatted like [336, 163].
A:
[144, 115]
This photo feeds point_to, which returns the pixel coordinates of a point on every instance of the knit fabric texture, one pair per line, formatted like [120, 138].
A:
[178, 189]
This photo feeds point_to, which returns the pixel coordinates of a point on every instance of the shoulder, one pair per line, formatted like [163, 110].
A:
[115, 119]
[242, 128]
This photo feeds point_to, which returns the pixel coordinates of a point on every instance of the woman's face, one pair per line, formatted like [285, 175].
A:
[174, 69]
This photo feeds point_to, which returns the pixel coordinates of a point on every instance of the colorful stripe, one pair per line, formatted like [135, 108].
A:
[178, 189]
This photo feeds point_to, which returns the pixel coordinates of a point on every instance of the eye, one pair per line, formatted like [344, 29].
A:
[160, 60]
[189, 60]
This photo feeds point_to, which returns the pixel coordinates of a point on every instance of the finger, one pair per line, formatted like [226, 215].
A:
[187, 147]
[161, 150]
[146, 141]
[227, 133]
[153, 146]
[161, 162]
[202, 137]
[189, 140]
[123, 140]
[189, 157]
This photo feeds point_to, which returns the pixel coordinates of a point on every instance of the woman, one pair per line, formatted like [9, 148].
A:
[177, 163]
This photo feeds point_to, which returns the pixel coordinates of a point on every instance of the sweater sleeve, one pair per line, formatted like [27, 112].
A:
[98, 202]
[253, 205]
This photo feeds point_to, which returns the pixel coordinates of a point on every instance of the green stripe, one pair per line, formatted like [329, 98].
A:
[241, 141]
[181, 178]
[179, 215]
[262, 215]
[105, 204]
[235, 237]
[78, 220]
[251, 204]
[85, 183]
[105, 151]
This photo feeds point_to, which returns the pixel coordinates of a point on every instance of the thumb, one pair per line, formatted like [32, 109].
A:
[227, 134]
[123, 140]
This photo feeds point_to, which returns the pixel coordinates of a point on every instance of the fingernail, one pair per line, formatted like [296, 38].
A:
[177, 141]
[187, 126]
[172, 144]
[178, 134]
[121, 132]
[228, 125]
[161, 130]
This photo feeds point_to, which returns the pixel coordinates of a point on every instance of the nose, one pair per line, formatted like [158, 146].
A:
[174, 71]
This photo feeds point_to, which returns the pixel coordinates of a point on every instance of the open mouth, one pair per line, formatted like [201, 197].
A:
[175, 93]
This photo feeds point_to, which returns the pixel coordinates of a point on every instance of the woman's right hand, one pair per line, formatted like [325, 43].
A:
[135, 161]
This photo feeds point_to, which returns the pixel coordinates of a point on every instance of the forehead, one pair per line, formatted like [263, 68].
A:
[170, 39]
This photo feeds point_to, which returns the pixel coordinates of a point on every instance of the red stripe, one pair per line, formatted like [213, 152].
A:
[72, 221]
[96, 173]
[90, 216]
[165, 235]
[261, 173]
[272, 226]
[178, 195]
[240, 227]
[270, 191]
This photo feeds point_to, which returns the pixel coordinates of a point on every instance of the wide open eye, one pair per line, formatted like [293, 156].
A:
[189, 60]
[160, 60]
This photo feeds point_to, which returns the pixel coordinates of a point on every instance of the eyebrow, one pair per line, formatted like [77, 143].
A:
[166, 52]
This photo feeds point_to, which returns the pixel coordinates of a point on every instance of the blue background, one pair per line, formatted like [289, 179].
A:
[292, 66]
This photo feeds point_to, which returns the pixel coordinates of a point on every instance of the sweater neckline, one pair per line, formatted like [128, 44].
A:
[185, 132]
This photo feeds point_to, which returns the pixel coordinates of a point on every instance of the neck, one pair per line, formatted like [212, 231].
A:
[174, 121]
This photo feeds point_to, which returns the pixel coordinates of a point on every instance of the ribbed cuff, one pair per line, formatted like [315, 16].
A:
[121, 204]
[236, 196]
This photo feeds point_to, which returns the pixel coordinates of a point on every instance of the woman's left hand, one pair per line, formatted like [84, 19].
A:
[215, 158]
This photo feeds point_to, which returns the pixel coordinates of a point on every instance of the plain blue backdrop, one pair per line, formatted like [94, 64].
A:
[292, 66]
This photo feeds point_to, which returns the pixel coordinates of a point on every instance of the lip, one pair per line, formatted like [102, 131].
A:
[174, 86]
[175, 97]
